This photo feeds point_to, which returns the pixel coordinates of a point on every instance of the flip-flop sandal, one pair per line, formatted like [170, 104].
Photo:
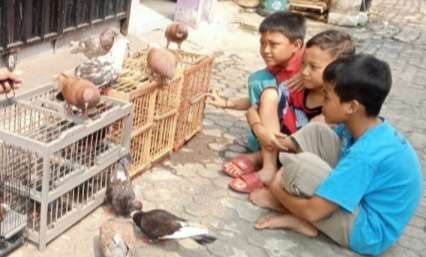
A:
[245, 165]
[246, 183]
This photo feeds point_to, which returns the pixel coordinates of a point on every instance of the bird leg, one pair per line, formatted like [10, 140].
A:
[69, 108]
[84, 110]
[168, 43]
[179, 45]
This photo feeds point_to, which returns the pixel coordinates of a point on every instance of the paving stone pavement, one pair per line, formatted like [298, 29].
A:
[191, 185]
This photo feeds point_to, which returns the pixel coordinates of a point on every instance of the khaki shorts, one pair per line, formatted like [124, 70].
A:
[304, 171]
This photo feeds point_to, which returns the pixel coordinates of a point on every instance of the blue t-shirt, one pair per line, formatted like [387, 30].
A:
[381, 174]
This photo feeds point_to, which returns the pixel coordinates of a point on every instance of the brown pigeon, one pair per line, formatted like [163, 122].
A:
[80, 93]
[3, 211]
[176, 32]
[162, 63]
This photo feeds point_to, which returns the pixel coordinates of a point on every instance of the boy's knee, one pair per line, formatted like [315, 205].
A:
[317, 126]
[303, 173]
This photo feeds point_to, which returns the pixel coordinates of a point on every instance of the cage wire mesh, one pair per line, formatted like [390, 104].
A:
[14, 201]
[69, 159]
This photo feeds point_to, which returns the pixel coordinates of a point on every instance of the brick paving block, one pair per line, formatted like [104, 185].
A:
[212, 132]
[412, 243]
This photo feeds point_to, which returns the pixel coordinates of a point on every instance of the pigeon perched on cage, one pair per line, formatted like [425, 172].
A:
[78, 92]
[162, 225]
[97, 45]
[104, 70]
[120, 191]
[161, 63]
[176, 32]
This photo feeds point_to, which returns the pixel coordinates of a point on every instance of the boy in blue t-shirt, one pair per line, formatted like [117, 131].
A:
[360, 183]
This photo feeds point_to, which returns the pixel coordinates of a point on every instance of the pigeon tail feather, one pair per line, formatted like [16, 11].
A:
[187, 230]
[204, 239]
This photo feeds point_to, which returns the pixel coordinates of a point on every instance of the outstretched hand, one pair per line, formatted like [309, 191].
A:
[9, 81]
[214, 99]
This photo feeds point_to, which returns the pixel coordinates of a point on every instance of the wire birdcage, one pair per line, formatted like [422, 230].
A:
[69, 157]
[14, 204]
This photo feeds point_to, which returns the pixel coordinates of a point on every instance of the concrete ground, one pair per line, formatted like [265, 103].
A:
[190, 183]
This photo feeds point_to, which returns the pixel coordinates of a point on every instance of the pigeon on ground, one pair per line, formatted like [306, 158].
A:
[97, 45]
[176, 32]
[120, 191]
[117, 238]
[161, 225]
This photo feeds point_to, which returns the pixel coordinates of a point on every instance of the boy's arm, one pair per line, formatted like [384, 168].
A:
[214, 99]
[310, 209]
[242, 103]
[277, 141]
[255, 123]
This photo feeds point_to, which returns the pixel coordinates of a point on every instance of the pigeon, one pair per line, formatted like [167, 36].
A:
[176, 32]
[95, 46]
[120, 191]
[4, 208]
[78, 92]
[103, 71]
[118, 247]
[161, 225]
[161, 63]
[117, 238]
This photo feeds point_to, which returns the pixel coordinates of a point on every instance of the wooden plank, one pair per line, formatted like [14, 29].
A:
[124, 27]
[45, 11]
[61, 17]
[10, 22]
[28, 19]
[77, 13]
[310, 4]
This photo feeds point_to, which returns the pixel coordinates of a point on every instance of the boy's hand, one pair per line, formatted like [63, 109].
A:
[214, 99]
[279, 141]
[296, 82]
[9, 81]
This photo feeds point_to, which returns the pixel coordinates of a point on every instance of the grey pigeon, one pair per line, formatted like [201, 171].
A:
[97, 45]
[120, 191]
[161, 225]
[104, 70]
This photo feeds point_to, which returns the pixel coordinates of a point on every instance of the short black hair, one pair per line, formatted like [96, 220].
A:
[338, 43]
[292, 25]
[360, 77]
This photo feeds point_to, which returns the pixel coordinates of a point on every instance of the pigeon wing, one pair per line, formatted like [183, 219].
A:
[122, 197]
[159, 223]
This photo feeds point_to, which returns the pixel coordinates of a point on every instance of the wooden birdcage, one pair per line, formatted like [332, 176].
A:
[315, 9]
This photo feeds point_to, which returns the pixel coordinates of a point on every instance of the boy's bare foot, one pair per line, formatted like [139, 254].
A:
[264, 199]
[286, 221]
